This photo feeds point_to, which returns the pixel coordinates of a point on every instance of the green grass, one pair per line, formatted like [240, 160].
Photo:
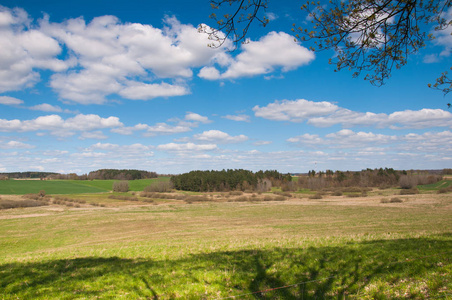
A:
[219, 250]
[20, 187]
[436, 186]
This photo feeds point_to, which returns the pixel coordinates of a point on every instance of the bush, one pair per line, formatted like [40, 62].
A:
[6, 204]
[316, 196]
[396, 200]
[192, 199]
[409, 191]
[159, 187]
[285, 194]
[121, 186]
[236, 193]
[120, 197]
[445, 190]
[392, 200]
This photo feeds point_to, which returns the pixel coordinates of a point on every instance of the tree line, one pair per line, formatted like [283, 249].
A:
[386, 177]
[227, 180]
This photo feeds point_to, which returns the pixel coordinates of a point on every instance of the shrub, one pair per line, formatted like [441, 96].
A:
[192, 199]
[316, 196]
[409, 191]
[396, 200]
[120, 197]
[240, 199]
[121, 186]
[31, 196]
[408, 182]
[444, 190]
[236, 193]
[336, 193]
[159, 187]
[354, 195]
[6, 204]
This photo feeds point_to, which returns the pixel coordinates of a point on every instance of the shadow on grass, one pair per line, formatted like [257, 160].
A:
[410, 268]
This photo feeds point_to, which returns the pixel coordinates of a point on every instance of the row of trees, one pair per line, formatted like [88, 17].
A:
[29, 174]
[121, 174]
[108, 174]
[386, 177]
[227, 180]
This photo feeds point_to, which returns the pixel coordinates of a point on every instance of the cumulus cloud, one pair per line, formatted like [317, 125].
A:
[437, 143]
[164, 128]
[294, 111]
[326, 114]
[24, 50]
[127, 150]
[444, 37]
[220, 137]
[262, 143]
[197, 118]
[275, 50]
[6, 100]
[238, 118]
[96, 135]
[60, 127]
[186, 147]
[344, 138]
[15, 145]
[46, 107]
[129, 59]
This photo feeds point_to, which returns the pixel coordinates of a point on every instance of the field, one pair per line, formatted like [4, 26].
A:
[300, 248]
[19, 187]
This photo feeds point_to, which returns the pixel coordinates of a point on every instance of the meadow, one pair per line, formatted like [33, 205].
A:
[301, 248]
[20, 187]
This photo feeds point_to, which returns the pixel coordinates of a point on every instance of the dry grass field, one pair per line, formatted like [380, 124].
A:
[220, 245]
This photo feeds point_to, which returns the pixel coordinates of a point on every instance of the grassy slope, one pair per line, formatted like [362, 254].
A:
[366, 250]
[19, 187]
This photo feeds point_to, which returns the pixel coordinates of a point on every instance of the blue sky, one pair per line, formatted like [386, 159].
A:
[131, 84]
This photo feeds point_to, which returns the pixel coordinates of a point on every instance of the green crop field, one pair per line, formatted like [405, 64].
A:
[331, 248]
[19, 187]
[436, 186]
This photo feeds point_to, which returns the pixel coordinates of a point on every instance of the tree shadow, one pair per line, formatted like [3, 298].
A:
[281, 273]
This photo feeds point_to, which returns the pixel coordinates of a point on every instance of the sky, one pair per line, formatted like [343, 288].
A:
[87, 85]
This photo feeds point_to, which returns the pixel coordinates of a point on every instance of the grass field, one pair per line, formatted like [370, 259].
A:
[19, 187]
[436, 186]
[335, 247]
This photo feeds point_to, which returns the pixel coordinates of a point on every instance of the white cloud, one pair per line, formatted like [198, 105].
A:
[144, 91]
[187, 147]
[97, 135]
[197, 118]
[6, 100]
[238, 118]
[163, 128]
[344, 138]
[24, 50]
[46, 107]
[294, 111]
[262, 143]
[444, 37]
[129, 59]
[275, 50]
[15, 145]
[125, 150]
[220, 137]
[326, 114]
[60, 127]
